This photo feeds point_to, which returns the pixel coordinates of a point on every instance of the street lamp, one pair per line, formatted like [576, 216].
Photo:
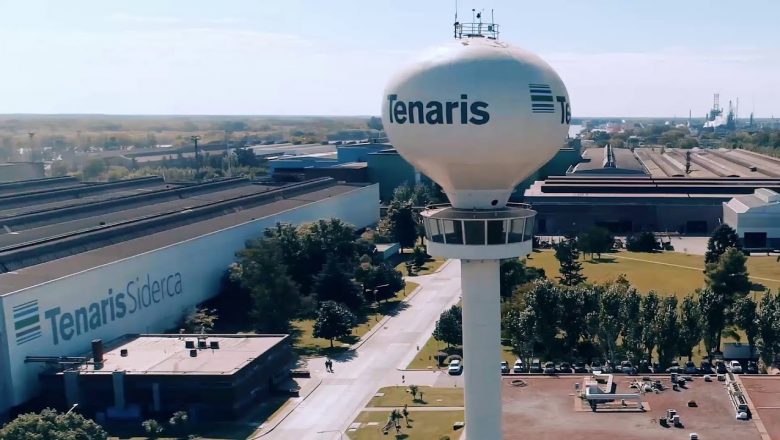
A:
[332, 431]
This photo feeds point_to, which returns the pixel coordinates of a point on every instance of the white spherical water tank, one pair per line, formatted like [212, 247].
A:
[477, 116]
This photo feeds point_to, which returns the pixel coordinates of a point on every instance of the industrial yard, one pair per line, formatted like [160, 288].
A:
[527, 412]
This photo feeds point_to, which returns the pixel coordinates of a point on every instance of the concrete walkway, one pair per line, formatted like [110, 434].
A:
[413, 409]
[334, 404]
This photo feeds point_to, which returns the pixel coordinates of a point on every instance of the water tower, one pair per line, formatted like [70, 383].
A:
[478, 116]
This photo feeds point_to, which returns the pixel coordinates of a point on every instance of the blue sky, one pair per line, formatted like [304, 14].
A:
[333, 57]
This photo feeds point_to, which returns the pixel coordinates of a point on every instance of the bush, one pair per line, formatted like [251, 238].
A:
[642, 242]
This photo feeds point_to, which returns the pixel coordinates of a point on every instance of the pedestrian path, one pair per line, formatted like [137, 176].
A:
[334, 404]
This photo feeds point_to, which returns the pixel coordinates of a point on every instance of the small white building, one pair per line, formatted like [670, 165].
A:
[756, 218]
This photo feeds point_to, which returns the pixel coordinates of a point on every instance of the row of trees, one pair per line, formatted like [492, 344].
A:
[317, 268]
[574, 318]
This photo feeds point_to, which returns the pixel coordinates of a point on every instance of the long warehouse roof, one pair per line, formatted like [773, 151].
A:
[60, 248]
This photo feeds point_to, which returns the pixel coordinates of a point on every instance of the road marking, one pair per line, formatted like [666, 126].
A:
[687, 267]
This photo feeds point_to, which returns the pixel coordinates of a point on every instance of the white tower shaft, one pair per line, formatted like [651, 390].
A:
[480, 284]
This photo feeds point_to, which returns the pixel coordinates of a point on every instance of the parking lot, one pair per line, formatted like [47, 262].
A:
[764, 393]
[546, 408]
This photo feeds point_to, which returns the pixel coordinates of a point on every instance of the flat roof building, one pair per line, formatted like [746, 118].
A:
[209, 376]
[756, 218]
[97, 261]
[625, 204]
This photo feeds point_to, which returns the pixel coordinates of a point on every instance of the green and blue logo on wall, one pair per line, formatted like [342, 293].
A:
[27, 322]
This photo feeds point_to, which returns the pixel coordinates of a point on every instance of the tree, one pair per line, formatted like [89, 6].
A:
[573, 311]
[595, 240]
[745, 317]
[630, 312]
[449, 327]
[52, 425]
[690, 326]
[514, 273]
[649, 336]
[333, 321]
[335, 283]
[518, 324]
[722, 238]
[275, 297]
[544, 300]
[419, 257]
[768, 324]
[153, 428]
[93, 169]
[401, 223]
[568, 255]
[609, 323]
[246, 157]
[59, 168]
[667, 330]
[375, 123]
[381, 281]
[729, 276]
[200, 320]
[413, 389]
[642, 242]
[713, 318]
[179, 421]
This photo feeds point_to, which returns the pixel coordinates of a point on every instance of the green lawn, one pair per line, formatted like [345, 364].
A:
[424, 425]
[303, 329]
[432, 265]
[645, 273]
[400, 396]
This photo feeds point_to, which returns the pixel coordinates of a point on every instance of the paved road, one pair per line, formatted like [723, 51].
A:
[335, 403]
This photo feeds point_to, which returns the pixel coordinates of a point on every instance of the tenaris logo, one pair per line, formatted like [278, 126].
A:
[138, 294]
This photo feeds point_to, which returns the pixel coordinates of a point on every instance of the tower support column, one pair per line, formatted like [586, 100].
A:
[480, 284]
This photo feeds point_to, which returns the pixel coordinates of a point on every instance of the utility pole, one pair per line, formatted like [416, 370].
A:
[227, 154]
[30, 153]
[195, 139]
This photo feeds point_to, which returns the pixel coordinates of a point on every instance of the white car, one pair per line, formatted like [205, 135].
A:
[735, 367]
[455, 368]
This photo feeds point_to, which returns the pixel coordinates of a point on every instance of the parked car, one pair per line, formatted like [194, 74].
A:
[504, 367]
[536, 366]
[735, 367]
[706, 368]
[690, 368]
[674, 368]
[720, 367]
[580, 367]
[752, 368]
[626, 367]
[596, 366]
[455, 368]
[564, 367]
[519, 366]
[549, 368]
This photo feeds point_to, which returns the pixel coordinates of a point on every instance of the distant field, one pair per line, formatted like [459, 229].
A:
[667, 272]
[61, 131]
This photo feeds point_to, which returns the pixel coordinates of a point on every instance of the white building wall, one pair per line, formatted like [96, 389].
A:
[730, 217]
[144, 293]
[759, 219]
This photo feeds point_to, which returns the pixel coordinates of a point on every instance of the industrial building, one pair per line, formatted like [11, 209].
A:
[209, 376]
[756, 218]
[648, 189]
[91, 261]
